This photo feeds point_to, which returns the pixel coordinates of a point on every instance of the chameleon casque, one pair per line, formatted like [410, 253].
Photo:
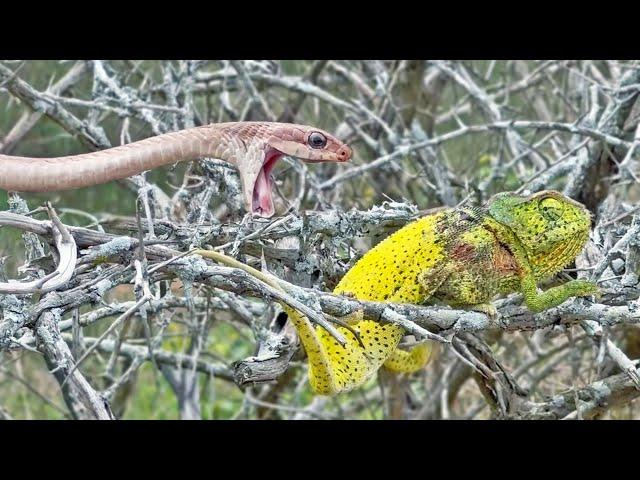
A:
[462, 257]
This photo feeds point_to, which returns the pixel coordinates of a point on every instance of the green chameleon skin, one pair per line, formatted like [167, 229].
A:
[462, 257]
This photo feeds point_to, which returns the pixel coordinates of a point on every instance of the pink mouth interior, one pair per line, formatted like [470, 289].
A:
[262, 203]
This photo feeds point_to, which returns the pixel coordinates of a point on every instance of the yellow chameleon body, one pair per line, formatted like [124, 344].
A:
[388, 272]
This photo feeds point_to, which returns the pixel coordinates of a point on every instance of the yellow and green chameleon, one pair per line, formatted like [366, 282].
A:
[462, 257]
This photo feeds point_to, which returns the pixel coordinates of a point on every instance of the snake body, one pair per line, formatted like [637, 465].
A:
[253, 147]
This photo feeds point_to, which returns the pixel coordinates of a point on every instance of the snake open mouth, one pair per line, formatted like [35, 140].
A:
[262, 203]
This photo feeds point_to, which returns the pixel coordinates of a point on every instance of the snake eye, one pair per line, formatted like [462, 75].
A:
[551, 208]
[317, 140]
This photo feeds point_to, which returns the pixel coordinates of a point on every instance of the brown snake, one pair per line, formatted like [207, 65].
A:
[253, 147]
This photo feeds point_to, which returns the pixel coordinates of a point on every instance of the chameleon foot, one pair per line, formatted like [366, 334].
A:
[486, 308]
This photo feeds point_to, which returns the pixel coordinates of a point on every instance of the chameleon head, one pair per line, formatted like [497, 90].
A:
[551, 227]
[309, 144]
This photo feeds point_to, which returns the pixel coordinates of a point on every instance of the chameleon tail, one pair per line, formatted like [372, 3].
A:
[410, 361]
[322, 373]
[334, 368]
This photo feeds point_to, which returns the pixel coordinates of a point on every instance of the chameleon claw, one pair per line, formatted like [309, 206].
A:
[488, 309]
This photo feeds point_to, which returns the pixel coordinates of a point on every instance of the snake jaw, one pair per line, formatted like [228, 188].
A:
[262, 198]
[274, 149]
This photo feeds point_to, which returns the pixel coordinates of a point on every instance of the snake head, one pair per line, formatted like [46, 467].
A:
[309, 144]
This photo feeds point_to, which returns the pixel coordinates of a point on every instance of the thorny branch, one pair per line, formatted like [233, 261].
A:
[426, 134]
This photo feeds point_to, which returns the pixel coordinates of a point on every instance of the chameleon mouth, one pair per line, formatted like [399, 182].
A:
[262, 201]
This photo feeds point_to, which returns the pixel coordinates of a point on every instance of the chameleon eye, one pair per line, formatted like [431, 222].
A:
[551, 208]
[317, 140]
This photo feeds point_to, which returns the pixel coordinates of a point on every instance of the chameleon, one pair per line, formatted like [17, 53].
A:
[462, 257]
